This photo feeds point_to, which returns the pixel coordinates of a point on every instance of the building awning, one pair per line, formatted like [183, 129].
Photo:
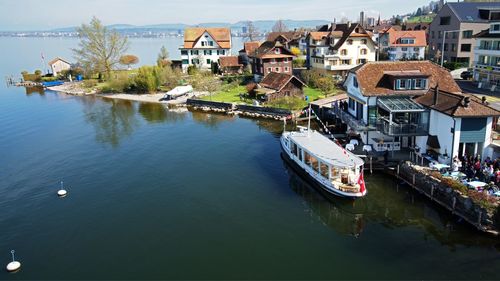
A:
[433, 141]
[400, 104]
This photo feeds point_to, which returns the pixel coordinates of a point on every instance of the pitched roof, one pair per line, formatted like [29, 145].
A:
[288, 35]
[318, 35]
[222, 36]
[344, 31]
[250, 47]
[455, 104]
[229, 61]
[265, 50]
[469, 11]
[277, 81]
[419, 35]
[372, 81]
[57, 59]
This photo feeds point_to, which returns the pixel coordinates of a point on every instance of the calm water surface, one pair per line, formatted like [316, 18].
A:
[160, 194]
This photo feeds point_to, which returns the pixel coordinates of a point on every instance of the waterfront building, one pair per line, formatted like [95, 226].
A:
[58, 65]
[204, 46]
[403, 45]
[402, 105]
[271, 56]
[248, 49]
[337, 48]
[278, 85]
[455, 25]
[487, 57]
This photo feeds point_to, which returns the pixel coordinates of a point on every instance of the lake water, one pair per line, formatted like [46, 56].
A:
[158, 194]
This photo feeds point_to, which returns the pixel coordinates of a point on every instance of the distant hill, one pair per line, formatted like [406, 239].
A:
[262, 26]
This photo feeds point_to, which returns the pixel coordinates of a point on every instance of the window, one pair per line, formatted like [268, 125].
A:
[420, 84]
[273, 61]
[352, 104]
[185, 61]
[223, 52]
[404, 49]
[194, 52]
[349, 41]
[363, 41]
[445, 47]
[269, 69]
[453, 47]
[355, 82]
[454, 35]
[184, 53]
[210, 43]
[432, 34]
[207, 52]
[467, 34]
[416, 49]
[277, 69]
[287, 69]
[343, 52]
[495, 27]
[203, 43]
[440, 34]
[407, 41]
[345, 62]
[285, 60]
[277, 51]
[401, 84]
[209, 61]
[444, 20]
[195, 61]
[465, 47]
[363, 51]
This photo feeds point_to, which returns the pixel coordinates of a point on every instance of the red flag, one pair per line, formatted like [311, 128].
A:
[361, 182]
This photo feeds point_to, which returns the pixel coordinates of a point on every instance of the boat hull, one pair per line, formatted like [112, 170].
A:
[320, 187]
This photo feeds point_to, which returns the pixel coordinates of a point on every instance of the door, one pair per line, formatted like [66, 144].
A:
[405, 142]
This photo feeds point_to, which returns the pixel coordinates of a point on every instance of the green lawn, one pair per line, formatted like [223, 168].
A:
[229, 95]
[426, 18]
[313, 94]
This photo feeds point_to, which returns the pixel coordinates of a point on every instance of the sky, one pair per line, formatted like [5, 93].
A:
[44, 15]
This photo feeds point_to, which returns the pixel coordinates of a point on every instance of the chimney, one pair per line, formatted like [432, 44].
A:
[436, 95]
[466, 102]
[483, 100]
[348, 24]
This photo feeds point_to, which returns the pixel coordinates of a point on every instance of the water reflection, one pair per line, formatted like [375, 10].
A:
[112, 119]
[211, 120]
[392, 206]
[34, 90]
[159, 113]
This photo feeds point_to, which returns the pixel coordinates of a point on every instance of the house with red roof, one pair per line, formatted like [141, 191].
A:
[204, 46]
[404, 44]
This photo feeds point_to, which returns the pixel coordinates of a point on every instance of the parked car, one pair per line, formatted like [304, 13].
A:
[466, 75]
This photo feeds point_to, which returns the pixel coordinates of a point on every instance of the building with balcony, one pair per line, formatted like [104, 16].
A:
[204, 46]
[338, 48]
[403, 45]
[487, 56]
[397, 105]
[453, 28]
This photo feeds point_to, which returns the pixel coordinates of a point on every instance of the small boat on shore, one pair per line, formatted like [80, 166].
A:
[332, 168]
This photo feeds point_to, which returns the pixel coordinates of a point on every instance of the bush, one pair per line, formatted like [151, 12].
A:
[454, 65]
[311, 77]
[38, 72]
[290, 103]
[192, 70]
[147, 80]
[91, 83]
[299, 62]
[49, 78]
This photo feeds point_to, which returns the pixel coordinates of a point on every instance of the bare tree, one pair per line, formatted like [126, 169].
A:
[99, 48]
[252, 32]
[280, 26]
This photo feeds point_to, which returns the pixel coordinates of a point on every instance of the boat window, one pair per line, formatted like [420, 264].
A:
[294, 149]
[307, 158]
[300, 155]
[315, 164]
[335, 173]
[324, 170]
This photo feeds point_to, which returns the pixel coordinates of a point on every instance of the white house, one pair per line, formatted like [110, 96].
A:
[399, 105]
[404, 45]
[487, 56]
[58, 64]
[338, 48]
[204, 46]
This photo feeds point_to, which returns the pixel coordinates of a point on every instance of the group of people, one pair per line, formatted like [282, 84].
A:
[474, 168]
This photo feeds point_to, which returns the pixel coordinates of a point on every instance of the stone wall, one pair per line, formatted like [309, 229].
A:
[453, 200]
[240, 109]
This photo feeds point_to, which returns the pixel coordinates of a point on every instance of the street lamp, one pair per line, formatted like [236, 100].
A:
[442, 47]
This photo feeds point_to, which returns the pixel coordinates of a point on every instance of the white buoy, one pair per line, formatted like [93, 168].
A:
[62, 192]
[13, 265]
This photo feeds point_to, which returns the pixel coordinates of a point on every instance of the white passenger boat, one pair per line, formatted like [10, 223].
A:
[331, 167]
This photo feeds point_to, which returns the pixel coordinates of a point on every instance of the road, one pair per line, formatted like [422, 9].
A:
[470, 87]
